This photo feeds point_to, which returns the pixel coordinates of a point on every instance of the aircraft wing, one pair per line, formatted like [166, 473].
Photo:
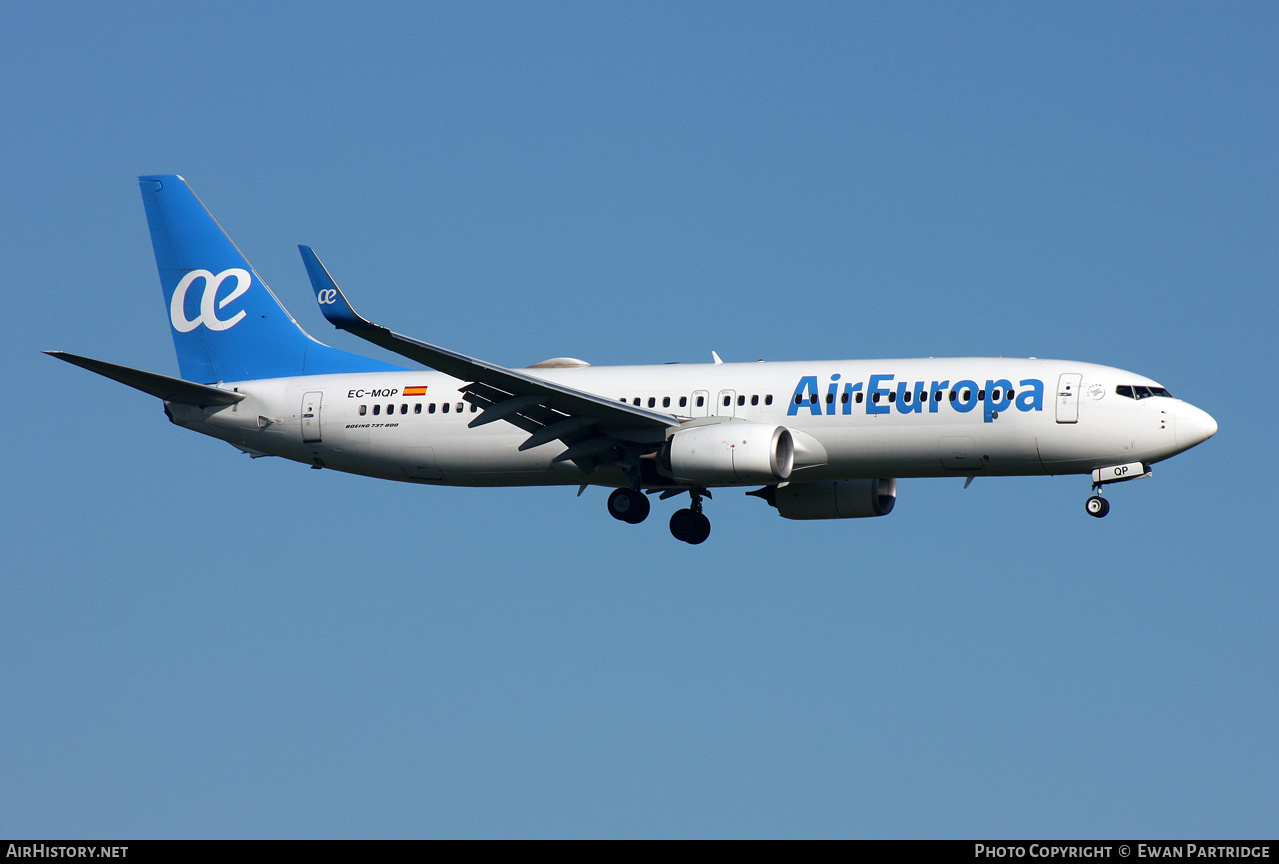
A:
[588, 423]
[168, 389]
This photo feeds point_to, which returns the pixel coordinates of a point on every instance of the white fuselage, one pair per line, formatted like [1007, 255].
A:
[849, 419]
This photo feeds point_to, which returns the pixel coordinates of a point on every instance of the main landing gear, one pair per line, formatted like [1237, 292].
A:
[691, 524]
[628, 505]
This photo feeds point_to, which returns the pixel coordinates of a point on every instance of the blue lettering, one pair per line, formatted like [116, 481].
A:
[997, 396]
[935, 391]
[908, 403]
[990, 406]
[849, 390]
[873, 390]
[805, 397]
[1032, 399]
[961, 403]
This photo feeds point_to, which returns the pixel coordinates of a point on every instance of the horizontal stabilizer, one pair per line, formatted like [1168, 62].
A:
[162, 386]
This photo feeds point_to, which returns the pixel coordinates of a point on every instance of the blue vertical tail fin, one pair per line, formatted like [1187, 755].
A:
[226, 323]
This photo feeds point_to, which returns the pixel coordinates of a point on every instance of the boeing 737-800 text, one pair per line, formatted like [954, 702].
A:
[820, 440]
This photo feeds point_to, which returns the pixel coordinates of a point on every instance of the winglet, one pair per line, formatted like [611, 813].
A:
[507, 383]
[333, 303]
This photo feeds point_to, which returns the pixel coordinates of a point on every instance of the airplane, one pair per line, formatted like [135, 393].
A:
[820, 440]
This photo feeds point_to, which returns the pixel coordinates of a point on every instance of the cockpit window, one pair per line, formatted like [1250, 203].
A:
[1136, 391]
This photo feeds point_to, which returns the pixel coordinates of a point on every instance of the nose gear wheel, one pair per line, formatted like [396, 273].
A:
[1097, 506]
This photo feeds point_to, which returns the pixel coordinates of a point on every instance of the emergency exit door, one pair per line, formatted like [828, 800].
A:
[700, 404]
[724, 403]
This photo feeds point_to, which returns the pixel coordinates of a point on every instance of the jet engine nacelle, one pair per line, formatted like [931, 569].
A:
[730, 453]
[836, 499]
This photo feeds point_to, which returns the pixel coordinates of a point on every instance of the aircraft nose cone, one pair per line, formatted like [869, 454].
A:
[1194, 426]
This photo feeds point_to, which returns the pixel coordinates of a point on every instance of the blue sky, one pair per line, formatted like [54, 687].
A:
[200, 645]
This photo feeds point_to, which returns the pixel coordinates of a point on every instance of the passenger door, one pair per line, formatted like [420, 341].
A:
[1068, 397]
[311, 417]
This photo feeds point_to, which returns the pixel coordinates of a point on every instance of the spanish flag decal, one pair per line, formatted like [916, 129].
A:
[414, 391]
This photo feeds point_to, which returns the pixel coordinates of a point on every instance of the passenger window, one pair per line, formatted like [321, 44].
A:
[830, 398]
[417, 407]
[390, 409]
[364, 409]
[892, 397]
[652, 403]
[430, 409]
[404, 408]
[952, 395]
[768, 400]
[474, 407]
[755, 399]
[981, 394]
[459, 407]
[635, 401]
[444, 407]
[967, 394]
[812, 399]
[994, 395]
[741, 400]
[701, 400]
[683, 401]
[666, 401]
[798, 398]
[1010, 394]
[905, 398]
[377, 409]
[859, 398]
[874, 398]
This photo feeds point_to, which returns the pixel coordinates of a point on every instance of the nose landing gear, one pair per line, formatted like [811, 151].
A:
[1097, 506]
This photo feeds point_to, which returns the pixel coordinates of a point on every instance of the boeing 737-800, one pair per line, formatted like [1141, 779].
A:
[820, 440]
